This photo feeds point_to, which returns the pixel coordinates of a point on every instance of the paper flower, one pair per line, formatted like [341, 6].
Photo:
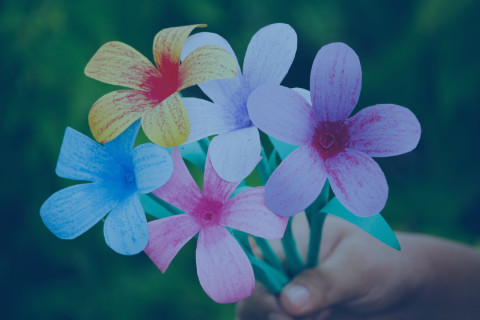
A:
[236, 150]
[224, 270]
[332, 146]
[155, 98]
[117, 173]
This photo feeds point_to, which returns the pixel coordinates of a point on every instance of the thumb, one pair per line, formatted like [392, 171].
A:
[318, 288]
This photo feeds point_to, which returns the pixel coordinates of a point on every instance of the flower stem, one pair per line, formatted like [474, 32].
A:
[269, 254]
[294, 261]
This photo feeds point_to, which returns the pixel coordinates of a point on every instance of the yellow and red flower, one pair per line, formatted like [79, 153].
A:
[155, 96]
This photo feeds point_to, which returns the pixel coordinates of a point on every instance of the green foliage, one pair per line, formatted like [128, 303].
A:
[418, 54]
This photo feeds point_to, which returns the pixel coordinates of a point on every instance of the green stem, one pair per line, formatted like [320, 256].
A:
[269, 254]
[319, 203]
[316, 227]
[204, 145]
[264, 168]
[294, 261]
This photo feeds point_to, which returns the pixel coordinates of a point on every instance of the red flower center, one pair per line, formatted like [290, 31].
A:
[326, 141]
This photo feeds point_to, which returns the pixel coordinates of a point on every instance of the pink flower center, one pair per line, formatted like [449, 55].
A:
[326, 141]
[207, 217]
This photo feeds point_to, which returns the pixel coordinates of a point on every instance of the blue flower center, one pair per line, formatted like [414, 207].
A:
[129, 178]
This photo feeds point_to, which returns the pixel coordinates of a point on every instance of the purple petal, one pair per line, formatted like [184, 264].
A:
[168, 236]
[384, 130]
[228, 93]
[269, 55]
[125, 228]
[207, 119]
[296, 183]
[70, 212]
[282, 113]
[180, 190]
[358, 182]
[335, 82]
[247, 212]
[223, 269]
[153, 166]
[304, 93]
[215, 187]
[235, 154]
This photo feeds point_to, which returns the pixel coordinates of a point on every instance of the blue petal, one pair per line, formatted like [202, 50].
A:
[121, 147]
[125, 228]
[81, 158]
[70, 212]
[152, 165]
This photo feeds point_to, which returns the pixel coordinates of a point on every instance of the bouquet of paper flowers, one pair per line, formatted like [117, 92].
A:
[312, 146]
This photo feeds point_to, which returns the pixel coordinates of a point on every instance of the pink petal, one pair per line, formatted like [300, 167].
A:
[180, 190]
[358, 182]
[247, 212]
[282, 113]
[168, 236]
[296, 183]
[223, 269]
[215, 187]
[335, 82]
[384, 130]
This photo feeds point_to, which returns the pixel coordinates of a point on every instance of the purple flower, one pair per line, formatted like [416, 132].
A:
[223, 268]
[332, 146]
[235, 151]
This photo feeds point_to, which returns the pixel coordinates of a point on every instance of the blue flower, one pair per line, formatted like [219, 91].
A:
[117, 173]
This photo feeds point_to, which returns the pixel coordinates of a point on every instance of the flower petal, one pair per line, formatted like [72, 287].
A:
[223, 268]
[207, 119]
[167, 123]
[180, 190]
[125, 228]
[70, 212]
[247, 212]
[358, 182]
[168, 236]
[119, 64]
[296, 183]
[115, 112]
[235, 154]
[153, 166]
[204, 64]
[335, 82]
[282, 113]
[167, 48]
[215, 187]
[81, 158]
[304, 93]
[226, 93]
[384, 130]
[121, 147]
[269, 55]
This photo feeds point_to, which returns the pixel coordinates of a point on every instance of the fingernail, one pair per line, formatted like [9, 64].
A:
[298, 295]
[324, 314]
[278, 316]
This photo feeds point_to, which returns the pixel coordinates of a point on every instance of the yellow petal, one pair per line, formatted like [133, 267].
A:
[119, 64]
[167, 124]
[167, 48]
[116, 111]
[206, 63]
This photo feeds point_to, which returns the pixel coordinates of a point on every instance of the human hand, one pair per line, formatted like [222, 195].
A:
[361, 278]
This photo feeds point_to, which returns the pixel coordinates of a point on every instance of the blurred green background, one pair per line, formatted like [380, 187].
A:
[419, 54]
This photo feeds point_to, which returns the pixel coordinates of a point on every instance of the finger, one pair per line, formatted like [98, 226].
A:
[334, 281]
[261, 305]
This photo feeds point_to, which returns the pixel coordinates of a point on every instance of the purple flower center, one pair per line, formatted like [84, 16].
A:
[326, 141]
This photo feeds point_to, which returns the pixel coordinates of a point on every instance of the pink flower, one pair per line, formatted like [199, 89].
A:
[223, 268]
[332, 146]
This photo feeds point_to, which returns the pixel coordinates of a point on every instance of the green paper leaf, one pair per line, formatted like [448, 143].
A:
[374, 225]
[283, 149]
[272, 161]
[263, 168]
[156, 207]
